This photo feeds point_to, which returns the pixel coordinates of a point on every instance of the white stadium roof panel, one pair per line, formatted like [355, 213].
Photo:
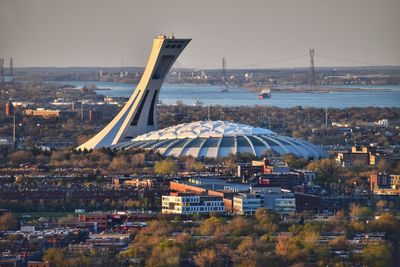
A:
[216, 139]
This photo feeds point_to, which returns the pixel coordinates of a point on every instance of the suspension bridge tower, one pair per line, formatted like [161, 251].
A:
[2, 78]
[12, 69]
[312, 82]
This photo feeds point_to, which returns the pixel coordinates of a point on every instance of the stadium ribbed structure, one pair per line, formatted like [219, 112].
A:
[216, 139]
[136, 124]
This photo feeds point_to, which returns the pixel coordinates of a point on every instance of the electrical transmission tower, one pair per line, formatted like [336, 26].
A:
[312, 83]
[11, 69]
[2, 80]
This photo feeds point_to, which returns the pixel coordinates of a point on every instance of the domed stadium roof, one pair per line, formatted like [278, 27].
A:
[216, 139]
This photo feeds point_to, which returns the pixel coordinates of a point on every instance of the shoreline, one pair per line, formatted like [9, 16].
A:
[320, 90]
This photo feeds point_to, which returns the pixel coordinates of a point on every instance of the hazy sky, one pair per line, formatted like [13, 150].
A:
[247, 32]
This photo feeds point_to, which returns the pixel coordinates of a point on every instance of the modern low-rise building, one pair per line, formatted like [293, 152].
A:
[384, 183]
[379, 180]
[367, 155]
[47, 113]
[286, 180]
[192, 204]
[140, 182]
[395, 181]
[246, 204]
[308, 176]
[279, 200]
[99, 220]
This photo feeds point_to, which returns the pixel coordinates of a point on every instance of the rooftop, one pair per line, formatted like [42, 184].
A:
[203, 129]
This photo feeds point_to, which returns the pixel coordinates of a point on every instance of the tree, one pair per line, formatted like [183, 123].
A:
[358, 212]
[191, 164]
[310, 239]
[60, 156]
[293, 162]
[229, 163]
[339, 243]
[209, 225]
[358, 166]
[138, 159]
[286, 247]
[82, 261]
[69, 219]
[92, 204]
[261, 214]
[382, 165]
[82, 138]
[8, 222]
[55, 256]
[266, 221]
[169, 255]
[240, 226]
[20, 157]
[327, 170]
[246, 245]
[132, 204]
[381, 204]
[119, 163]
[166, 167]
[389, 224]
[158, 227]
[206, 257]
[377, 255]
[340, 221]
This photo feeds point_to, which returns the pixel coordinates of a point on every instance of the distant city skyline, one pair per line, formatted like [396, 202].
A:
[249, 34]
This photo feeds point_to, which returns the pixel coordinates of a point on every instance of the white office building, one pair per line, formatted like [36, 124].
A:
[192, 204]
[246, 204]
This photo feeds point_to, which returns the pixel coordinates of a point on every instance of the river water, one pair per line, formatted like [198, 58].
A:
[378, 96]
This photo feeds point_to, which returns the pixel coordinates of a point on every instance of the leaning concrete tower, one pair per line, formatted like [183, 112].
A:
[138, 116]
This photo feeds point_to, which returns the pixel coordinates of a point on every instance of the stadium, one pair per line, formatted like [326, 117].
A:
[216, 139]
[136, 124]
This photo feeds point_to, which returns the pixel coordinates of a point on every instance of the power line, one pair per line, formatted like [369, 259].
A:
[270, 61]
[354, 61]
[364, 63]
